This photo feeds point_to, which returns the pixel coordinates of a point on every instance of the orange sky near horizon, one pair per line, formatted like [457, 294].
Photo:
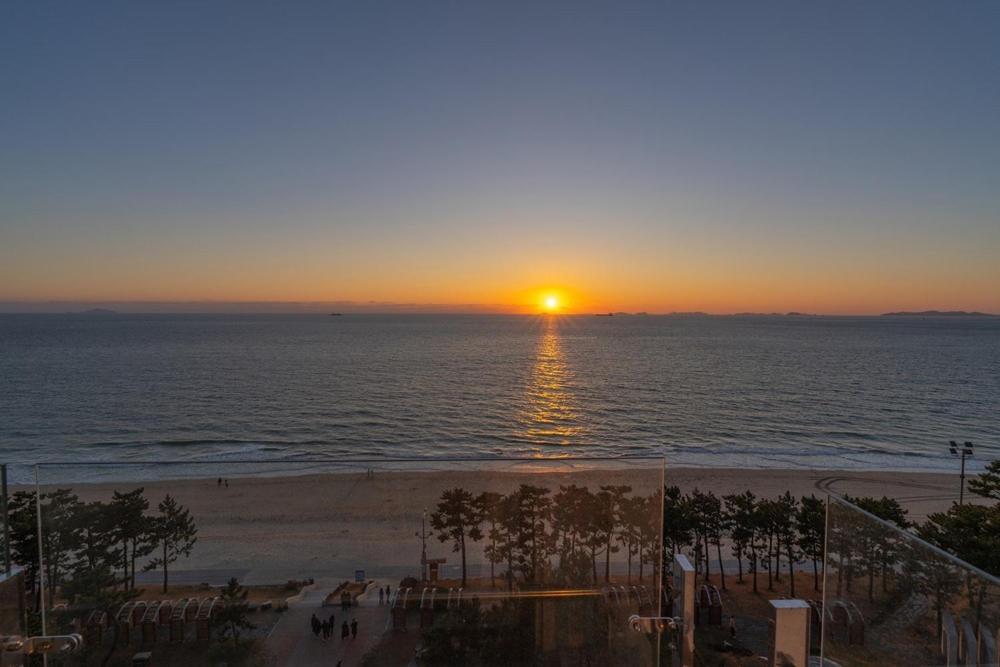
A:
[597, 263]
[665, 288]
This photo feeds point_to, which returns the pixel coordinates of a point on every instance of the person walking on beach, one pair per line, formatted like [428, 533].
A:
[354, 629]
[326, 630]
[381, 596]
[344, 631]
[333, 625]
[218, 482]
[732, 627]
[315, 625]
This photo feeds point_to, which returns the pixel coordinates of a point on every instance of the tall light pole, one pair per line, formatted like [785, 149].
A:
[962, 451]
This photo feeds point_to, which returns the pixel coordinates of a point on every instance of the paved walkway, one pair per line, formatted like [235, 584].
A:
[293, 642]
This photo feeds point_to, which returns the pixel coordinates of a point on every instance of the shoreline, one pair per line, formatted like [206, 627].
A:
[923, 491]
[22, 475]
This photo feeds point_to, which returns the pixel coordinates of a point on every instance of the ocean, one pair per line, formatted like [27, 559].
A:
[788, 392]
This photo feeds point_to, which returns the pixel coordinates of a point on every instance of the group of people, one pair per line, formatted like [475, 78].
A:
[326, 628]
[383, 595]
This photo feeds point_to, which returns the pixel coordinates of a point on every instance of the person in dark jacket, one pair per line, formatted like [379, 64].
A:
[354, 629]
[344, 631]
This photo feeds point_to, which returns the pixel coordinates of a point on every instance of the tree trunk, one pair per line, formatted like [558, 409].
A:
[815, 576]
[534, 547]
[777, 557]
[493, 552]
[708, 559]
[791, 569]
[132, 576]
[607, 560]
[463, 561]
[164, 567]
[770, 569]
[629, 549]
[849, 573]
[510, 572]
[125, 564]
[739, 565]
[840, 576]
[722, 570]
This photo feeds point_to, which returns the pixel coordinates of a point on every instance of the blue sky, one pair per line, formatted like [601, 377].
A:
[837, 157]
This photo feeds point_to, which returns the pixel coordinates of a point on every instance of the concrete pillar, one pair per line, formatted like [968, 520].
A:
[789, 645]
[684, 581]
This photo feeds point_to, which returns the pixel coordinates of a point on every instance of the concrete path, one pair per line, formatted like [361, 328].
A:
[292, 641]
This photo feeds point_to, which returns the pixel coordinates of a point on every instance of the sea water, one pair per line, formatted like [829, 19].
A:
[811, 392]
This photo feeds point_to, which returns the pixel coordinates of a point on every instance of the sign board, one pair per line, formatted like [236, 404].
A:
[359, 576]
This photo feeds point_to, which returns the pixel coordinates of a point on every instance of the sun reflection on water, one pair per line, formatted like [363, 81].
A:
[551, 415]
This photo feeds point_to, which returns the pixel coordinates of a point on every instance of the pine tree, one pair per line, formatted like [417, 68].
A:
[174, 533]
[128, 511]
[810, 526]
[508, 530]
[61, 535]
[676, 521]
[740, 510]
[710, 525]
[987, 484]
[488, 505]
[457, 519]
[232, 620]
[877, 542]
[785, 526]
[614, 496]
[971, 532]
[534, 508]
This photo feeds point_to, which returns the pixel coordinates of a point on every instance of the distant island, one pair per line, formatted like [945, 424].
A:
[939, 313]
[621, 314]
[98, 311]
[791, 313]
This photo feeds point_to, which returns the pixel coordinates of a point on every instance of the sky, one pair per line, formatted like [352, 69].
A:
[828, 157]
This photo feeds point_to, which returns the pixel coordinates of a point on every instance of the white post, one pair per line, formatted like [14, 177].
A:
[684, 576]
[791, 633]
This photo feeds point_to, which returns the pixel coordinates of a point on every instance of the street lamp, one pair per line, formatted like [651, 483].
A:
[962, 451]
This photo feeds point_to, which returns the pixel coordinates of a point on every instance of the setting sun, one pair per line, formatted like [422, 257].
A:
[551, 302]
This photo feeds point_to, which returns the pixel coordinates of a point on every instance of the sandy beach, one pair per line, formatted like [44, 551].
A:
[270, 529]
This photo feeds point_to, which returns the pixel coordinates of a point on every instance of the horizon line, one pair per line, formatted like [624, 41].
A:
[226, 307]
